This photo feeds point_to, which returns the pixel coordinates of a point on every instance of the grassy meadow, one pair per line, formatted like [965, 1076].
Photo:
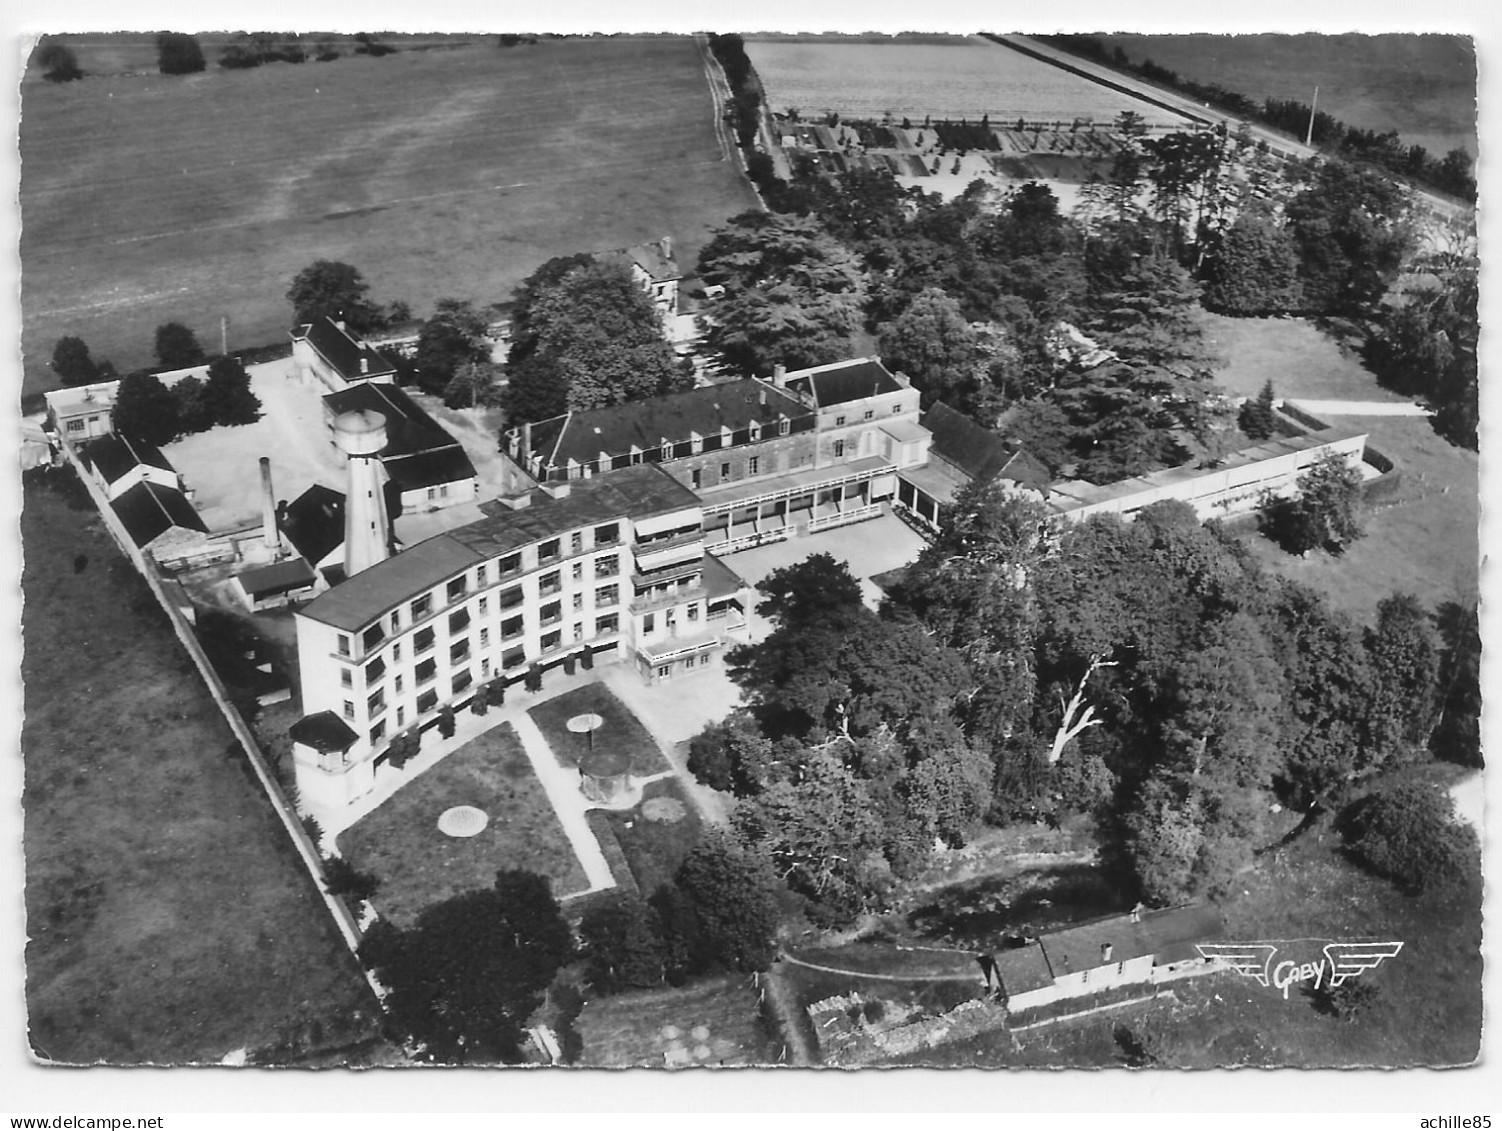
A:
[1424, 540]
[168, 919]
[455, 172]
[1423, 86]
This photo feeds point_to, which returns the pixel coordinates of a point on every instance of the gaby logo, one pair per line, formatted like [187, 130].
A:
[1340, 961]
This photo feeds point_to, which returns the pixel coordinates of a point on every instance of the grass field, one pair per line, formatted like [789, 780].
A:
[169, 919]
[1423, 86]
[1424, 541]
[620, 730]
[711, 1022]
[399, 843]
[148, 198]
[655, 850]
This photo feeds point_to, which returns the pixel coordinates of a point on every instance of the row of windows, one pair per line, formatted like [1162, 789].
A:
[869, 414]
[509, 598]
[426, 672]
[423, 640]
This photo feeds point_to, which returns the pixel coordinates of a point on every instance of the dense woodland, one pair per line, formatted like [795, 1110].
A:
[1148, 674]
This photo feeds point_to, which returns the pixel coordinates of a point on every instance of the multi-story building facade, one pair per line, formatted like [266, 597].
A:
[613, 567]
[807, 450]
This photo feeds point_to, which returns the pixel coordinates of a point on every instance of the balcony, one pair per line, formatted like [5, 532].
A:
[651, 602]
[671, 540]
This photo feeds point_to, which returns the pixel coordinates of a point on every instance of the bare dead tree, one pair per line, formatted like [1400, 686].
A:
[1078, 715]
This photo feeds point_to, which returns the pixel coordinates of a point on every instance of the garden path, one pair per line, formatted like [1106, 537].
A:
[569, 802]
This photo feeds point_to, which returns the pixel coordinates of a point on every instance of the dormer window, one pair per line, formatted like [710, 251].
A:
[755, 431]
[782, 426]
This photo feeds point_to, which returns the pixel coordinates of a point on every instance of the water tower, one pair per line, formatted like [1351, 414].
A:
[361, 436]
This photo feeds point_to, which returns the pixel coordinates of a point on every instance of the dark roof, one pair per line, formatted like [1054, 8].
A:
[645, 424]
[267, 581]
[314, 522]
[633, 492]
[410, 431]
[1023, 968]
[1168, 935]
[360, 599]
[427, 469]
[149, 510]
[654, 258]
[720, 580]
[114, 456]
[840, 384]
[342, 351]
[980, 453]
[325, 732]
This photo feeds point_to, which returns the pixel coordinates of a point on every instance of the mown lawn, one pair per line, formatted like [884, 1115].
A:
[444, 173]
[168, 918]
[1425, 539]
[620, 730]
[655, 849]
[417, 866]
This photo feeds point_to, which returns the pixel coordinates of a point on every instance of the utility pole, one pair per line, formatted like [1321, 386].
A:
[1309, 137]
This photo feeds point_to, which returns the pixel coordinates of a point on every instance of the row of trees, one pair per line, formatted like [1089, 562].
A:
[147, 409]
[1148, 673]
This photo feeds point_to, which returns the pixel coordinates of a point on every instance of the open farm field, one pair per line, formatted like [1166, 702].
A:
[1423, 86]
[135, 52]
[436, 173]
[168, 918]
[916, 77]
[1424, 540]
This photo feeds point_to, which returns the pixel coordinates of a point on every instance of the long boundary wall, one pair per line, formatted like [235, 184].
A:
[280, 803]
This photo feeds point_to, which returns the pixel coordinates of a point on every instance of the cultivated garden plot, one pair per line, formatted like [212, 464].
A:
[712, 1023]
[418, 865]
[915, 77]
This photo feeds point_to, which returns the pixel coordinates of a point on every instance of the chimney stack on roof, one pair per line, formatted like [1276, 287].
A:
[364, 365]
[779, 375]
[666, 243]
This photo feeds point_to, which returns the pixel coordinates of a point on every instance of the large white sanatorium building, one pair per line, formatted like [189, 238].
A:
[611, 567]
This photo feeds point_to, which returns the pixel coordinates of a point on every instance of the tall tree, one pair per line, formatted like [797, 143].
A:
[145, 409]
[792, 296]
[453, 337]
[327, 288]
[1404, 652]
[621, 945]
[932, 343]
[1351, 227]
[57, 61]
[177, 346]
[734, 894]
[595, 336]
[178, 53]
[72, 363]
[1254, 269]
[465, 977]
[1409, 832]
[474, 384]
[1326, 514]
[227, 393]
[1257, 417]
